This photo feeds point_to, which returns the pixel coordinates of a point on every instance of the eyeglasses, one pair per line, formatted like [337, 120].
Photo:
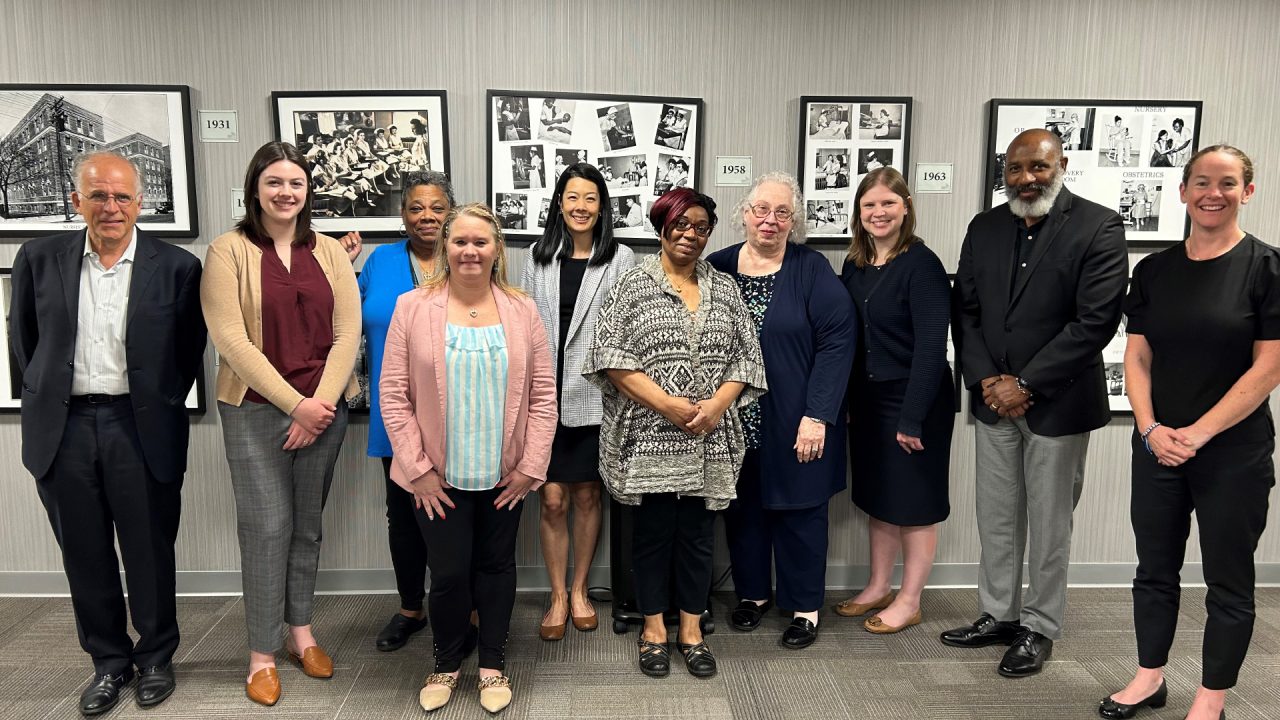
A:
[101, 198]
[762, 212]
[701, 229]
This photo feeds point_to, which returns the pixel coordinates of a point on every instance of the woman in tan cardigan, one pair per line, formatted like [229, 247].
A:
[283, 310]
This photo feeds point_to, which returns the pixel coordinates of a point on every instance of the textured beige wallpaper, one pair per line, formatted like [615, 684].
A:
[749, 60]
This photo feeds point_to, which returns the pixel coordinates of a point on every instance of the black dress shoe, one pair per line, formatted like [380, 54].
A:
[800, 634]
[655, 658]
[698, 659]
[746, 617]
[984, 631]
[155, 685]
[103, 692]
[1026, 656]
[1112, 710]
[397, 632]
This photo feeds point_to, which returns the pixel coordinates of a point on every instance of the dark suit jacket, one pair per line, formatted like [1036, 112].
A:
[164, 343]
[1062, 313]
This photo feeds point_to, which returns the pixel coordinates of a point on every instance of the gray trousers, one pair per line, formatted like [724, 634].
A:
[280, 497]
[1027, 485]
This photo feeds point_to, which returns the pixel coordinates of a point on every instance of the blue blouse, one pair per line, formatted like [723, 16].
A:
[475, 360]
[386, 276]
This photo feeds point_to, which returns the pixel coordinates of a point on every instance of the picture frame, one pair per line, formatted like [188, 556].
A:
[11, 379]
[45, 127]
[842, 138]
[362, 144]
[1124, 154]
[643, 145]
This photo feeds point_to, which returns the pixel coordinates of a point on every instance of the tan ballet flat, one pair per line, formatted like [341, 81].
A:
[495, 692]
[264, 687]
[436, 691]
[875, 625]
[849, 608]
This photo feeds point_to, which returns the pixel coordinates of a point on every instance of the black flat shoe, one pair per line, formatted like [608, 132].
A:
[1112, 710]
[984, 631]
[698, 659]
[155, 685]
[747, 615]
[397, 632]
[103, 692]
[1026, 656]
[799, 635]
[655, 658]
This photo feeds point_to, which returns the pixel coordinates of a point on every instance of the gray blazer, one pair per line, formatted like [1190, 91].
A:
[580, 401]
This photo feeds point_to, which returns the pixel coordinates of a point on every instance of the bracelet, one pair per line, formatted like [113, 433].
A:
[1145, 443]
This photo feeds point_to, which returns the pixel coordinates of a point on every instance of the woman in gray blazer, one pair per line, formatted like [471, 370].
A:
[569, 274]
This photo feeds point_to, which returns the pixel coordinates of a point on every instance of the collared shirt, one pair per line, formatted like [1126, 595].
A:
[100, 362]
[1024, 240]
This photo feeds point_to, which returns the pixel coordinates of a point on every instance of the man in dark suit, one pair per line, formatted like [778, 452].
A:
[1037, 297]
[106, 327]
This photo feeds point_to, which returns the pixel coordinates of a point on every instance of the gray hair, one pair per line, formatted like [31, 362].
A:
[797, 203]
[83, 162]
[429, 178]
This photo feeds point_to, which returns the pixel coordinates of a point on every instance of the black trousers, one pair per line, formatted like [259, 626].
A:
[1228, 488]
[793, 541]
[408, 551]
[672, 536]
[97, 490]
[472, 556]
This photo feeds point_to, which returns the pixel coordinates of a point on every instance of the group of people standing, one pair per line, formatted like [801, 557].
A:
[747, 382]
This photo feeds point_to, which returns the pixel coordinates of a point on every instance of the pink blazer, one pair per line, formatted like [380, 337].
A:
[414, 391]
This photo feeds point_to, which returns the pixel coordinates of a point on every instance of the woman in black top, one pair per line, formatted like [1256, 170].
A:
[1203, 355]
[901, 398]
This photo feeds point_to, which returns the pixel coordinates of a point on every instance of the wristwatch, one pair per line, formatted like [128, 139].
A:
[820, 421]
[1024, 386]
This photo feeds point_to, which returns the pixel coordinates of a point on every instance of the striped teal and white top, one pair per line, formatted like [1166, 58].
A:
[475, 361]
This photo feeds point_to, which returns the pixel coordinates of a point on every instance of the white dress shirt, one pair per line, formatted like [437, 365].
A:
[100, 363]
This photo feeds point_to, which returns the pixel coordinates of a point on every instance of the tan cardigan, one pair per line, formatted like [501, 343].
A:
[231, 297]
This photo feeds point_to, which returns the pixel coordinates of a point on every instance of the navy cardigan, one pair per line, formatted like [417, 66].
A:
[808, 339]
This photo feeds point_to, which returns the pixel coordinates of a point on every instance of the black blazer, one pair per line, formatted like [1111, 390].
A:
[1062, 313]
[164, 343]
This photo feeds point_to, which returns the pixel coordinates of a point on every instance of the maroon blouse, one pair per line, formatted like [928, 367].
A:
[297, 318]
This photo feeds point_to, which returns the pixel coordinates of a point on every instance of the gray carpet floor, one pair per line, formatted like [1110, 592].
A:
[848, 673]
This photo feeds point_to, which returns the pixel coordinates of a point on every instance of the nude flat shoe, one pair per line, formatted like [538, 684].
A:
[849, 608]
[436, 691]
[495, 692]
[875, 625]
[264, 687]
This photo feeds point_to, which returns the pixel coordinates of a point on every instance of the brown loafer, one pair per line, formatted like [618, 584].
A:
[586, 623]
[875, 625]
[315, 663]
[551, 633]
[849, 608]
[264, 687]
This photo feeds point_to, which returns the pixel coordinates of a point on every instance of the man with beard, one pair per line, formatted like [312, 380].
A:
[1037, 297]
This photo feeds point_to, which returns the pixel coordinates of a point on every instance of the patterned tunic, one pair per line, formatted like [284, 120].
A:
[644, 325]
[757, 293]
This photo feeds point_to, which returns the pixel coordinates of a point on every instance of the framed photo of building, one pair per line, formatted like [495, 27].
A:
[841, 140]
[362, 144]
[644, 146]
[1125, 154]
[45, 129]
[11, 378]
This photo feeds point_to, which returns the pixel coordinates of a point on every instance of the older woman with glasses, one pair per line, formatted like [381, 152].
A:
[795, 460]
[675, 355]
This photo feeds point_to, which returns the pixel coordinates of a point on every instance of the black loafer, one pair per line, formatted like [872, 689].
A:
[698, 659]
[103, 692]
[397, 632]
[1112, 710]
[984, 631]
[655, 658]
[1026, 656]
[155, 685]
[799, 635]
[747, 616]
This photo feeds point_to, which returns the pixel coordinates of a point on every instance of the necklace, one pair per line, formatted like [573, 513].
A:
[474, 313]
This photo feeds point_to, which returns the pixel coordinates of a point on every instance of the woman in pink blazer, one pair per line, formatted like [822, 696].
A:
[469, 403]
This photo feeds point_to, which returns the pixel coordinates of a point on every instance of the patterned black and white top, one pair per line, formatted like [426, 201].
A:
[644, 325]
[757, 293]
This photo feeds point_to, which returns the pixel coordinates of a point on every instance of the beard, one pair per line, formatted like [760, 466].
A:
[1039, 207]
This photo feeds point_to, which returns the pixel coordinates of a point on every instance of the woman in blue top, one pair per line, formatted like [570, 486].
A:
[795, 434]
[389, 272]
[902, 398]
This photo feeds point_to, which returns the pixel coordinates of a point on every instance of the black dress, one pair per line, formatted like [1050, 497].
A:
[901, 382]
[575, 451]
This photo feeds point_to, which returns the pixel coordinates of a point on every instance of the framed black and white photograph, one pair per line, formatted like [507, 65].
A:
[45, 129]
[643, 146]
[1113, 367]
[1125, 154]
[841, 140]
[361, 145]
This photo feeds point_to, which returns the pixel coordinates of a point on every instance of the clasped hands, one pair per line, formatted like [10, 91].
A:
[311, 417]
[1174, 446]
[429, 492]
[1002, 394]
[695, 418]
